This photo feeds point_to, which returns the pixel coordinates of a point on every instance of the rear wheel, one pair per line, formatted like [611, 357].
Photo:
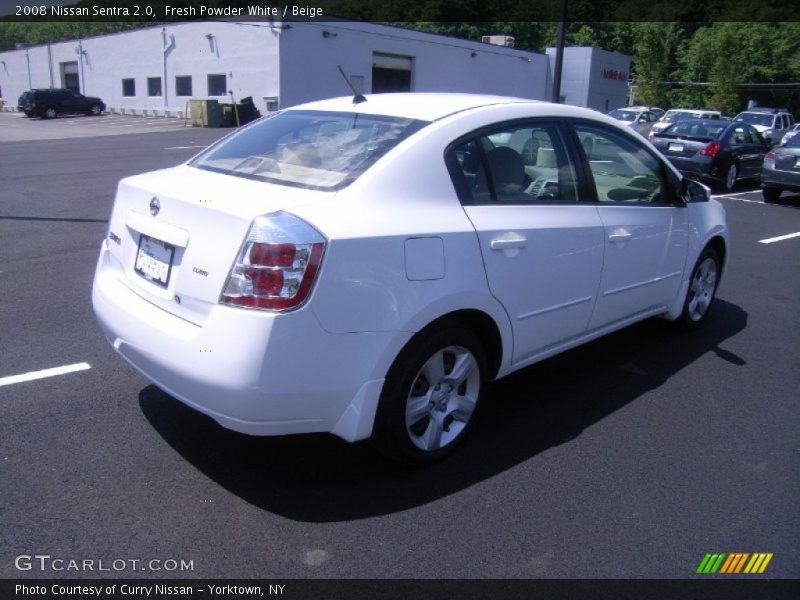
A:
[702, 288]
[49, 113]
[771, 194]
[731, 176]
[430, 396]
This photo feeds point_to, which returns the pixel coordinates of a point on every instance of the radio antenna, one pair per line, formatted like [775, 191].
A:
[357, 98]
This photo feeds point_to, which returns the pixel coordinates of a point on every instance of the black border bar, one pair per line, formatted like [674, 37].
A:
[706, 588]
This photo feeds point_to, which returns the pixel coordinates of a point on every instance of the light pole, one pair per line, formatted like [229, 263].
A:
[81, 51]
[559, 53]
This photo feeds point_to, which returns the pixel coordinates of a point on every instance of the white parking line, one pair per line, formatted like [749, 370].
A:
[780, 238]
[33, 375]
[182, 147]
[739, 199]
[738, 193]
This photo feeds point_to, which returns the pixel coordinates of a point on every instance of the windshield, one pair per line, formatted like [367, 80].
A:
[623, 115]
[755, 119]
[311, 149]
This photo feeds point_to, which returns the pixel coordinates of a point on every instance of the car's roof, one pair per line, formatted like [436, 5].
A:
[768, 113]
[414, 105]
[699, 121]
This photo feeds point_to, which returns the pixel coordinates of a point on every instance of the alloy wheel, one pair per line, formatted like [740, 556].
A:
[442, 398]
[704, 283]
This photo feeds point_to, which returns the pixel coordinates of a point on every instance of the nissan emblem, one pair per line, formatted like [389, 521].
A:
[155, 206]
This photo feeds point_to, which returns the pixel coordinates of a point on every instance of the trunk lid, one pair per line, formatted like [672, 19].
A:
[180, 257]
[680, 145]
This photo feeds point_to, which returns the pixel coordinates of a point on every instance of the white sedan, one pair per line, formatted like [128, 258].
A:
[363, 268]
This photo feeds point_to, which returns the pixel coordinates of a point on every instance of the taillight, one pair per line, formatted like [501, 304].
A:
[277, 265]
[711, 150]
[650, 137]
[769, 159]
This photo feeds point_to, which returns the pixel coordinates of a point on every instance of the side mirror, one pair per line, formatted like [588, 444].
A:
[694, 191]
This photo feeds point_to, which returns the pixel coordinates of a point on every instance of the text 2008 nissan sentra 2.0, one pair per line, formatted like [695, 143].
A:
[363, 268]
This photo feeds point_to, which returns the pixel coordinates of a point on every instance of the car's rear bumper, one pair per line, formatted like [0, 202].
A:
[784, 180]
[695, 169]
[252, 371]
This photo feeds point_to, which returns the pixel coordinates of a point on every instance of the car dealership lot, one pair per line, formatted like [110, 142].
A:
[630, 457]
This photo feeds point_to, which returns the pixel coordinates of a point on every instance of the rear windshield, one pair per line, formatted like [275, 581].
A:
[623, 115]
[674, 116]
[794, 142]
[309, 149]
[700, 130]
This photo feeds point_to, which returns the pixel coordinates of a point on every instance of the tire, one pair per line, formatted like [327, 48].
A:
[49, 113]
[430, 396]
[702, 289]
[731, 176]
[95, 110]
[771, 194]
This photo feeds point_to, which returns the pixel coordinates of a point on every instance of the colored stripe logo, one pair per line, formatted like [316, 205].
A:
[734, 563]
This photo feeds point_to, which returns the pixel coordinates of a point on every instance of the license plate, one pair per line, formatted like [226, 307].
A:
[675, 147]
[154, 260]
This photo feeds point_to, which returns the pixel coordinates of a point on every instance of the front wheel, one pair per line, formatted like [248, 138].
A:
[430, 396]
[702, 288]
[95, 110]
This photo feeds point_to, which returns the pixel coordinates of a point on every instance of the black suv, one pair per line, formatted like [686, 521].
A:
[49, 103]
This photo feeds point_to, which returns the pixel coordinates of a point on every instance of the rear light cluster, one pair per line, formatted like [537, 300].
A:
[711, 150]
[769, 159]
[277, 265]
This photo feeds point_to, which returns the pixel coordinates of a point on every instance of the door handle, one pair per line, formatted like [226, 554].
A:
[505, 244]
[620, 236]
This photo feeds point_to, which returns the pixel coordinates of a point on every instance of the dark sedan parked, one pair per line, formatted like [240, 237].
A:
[781, 170]
[715, 151]
[49, 103]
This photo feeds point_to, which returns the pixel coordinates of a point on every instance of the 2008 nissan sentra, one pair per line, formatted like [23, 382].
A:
[363, 268]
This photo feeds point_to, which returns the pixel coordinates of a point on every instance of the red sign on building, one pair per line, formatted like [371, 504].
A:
[614, 74]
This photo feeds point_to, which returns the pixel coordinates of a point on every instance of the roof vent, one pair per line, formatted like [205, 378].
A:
[499, 40]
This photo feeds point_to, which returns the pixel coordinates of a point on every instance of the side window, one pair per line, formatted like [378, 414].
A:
[738, 136]
[623, 171]
[471, 172]
[752, 137]
[522, 164]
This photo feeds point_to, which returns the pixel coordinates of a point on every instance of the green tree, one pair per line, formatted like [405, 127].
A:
[651, 63]
[726, 70]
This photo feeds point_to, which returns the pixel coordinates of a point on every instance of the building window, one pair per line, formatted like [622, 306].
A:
[154, 86]
[183, 85]
[391, 73]
[217, 85]
[69, 76]
[128, 87]
[272, 103]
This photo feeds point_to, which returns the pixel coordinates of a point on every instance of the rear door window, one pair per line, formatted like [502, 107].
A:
[514, 164]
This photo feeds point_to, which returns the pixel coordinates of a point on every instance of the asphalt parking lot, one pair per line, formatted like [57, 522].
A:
[16, 127]
[630, 457]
